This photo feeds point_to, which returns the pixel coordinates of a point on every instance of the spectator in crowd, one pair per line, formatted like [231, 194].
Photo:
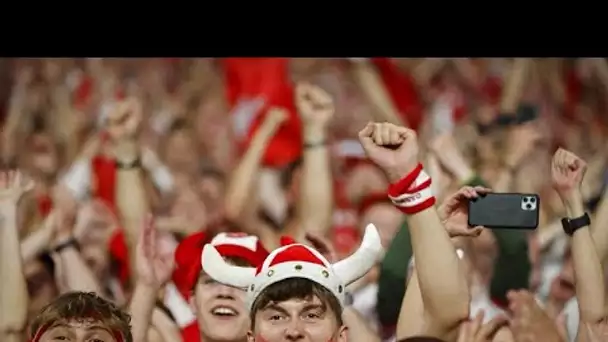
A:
[118, 171]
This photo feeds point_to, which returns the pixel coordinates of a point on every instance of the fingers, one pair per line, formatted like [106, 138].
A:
[311, 97]
[475, 231]
[488, 330]
[464, 334]
[469, 192]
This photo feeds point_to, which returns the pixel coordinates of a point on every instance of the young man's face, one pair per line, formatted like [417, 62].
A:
[297, 320]
[76, 331]
[220, 311]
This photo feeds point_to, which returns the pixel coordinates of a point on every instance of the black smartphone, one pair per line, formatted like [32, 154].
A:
[505, 210]
[526, 113]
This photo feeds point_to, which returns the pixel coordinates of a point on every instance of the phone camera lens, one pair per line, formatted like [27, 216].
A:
[529, 206]
[532, 199]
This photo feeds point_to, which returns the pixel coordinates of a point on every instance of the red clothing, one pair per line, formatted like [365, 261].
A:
[268, 78]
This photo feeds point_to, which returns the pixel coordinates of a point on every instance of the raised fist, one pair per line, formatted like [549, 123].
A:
[276, 116]
[124, 120]
[393, 148]
[567, 172]
[315, 105]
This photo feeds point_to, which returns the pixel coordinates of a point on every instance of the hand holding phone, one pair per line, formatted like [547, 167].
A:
[505, 210]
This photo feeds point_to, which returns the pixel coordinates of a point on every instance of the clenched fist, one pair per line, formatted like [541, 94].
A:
[567, 172]
[124, 120]
[315, 105]
[393, 148]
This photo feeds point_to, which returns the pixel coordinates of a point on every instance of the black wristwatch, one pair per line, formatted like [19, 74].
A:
[572, 225]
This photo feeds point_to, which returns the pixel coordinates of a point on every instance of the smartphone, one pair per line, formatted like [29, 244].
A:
[505, 210]
[526, 113]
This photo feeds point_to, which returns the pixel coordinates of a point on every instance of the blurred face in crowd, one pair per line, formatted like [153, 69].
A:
[180, 151]
[189, 205]
[43, 157]
[220, 311]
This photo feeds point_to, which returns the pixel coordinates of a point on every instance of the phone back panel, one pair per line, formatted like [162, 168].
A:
[505, 210]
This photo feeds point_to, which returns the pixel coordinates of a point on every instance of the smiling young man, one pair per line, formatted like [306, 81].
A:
[79, 317]
[219, 311]
[296, 294]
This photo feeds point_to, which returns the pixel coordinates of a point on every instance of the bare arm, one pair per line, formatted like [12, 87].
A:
[358, 329]
[242, 181]
[39, 240]
[514, 87]
[371, 84]
[13, 292]
[165, 327]
[315, 205]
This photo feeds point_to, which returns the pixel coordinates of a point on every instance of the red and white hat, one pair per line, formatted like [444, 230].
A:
[296, 261]
[188, 255]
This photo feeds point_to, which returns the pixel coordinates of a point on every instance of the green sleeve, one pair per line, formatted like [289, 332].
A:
[511, 268]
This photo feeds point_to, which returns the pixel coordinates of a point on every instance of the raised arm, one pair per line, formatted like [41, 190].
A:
[315, 205]
[153, 268]
[442, 280]
[240, 200]
[13, 292]
[567, 172]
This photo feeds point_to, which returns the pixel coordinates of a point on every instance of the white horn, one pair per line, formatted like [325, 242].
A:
[219, 270]
[360, 262]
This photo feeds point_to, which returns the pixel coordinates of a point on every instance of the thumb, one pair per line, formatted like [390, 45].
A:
[365, 135]
[489, 329]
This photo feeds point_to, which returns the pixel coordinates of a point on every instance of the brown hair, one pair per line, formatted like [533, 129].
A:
[83, 306]
[296, 288]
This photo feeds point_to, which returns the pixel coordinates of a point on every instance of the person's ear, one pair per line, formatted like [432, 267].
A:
[343, 334]
[250, 337]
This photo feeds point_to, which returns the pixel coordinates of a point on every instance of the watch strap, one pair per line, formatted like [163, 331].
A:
[572, 225]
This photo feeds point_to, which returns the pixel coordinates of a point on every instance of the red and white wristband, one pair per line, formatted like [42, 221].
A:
[413, 193]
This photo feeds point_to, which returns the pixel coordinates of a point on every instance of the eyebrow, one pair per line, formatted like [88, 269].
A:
[92, 327]
[307, 307]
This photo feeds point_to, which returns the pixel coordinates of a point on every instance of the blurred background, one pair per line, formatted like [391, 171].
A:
[498, 119]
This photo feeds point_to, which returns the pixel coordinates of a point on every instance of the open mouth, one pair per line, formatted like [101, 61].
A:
[224, 311]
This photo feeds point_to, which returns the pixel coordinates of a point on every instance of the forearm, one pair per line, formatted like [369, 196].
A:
[141, 308]
[165, 326]
[372, 86]
[39, 240]
[132, 204]
[442, 280]
[13, 292]
[77, 275]
[599, 230]
[358, 329]
[242, 181]
[315, 204]
[588, 271]
[514, 87]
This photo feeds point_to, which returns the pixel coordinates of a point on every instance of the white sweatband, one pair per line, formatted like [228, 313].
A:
[178, 306]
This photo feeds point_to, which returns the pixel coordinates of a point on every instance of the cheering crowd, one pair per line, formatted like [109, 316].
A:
[297, 199]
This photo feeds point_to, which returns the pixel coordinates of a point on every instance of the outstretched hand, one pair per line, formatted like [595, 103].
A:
[154, 266]
[13, 184]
